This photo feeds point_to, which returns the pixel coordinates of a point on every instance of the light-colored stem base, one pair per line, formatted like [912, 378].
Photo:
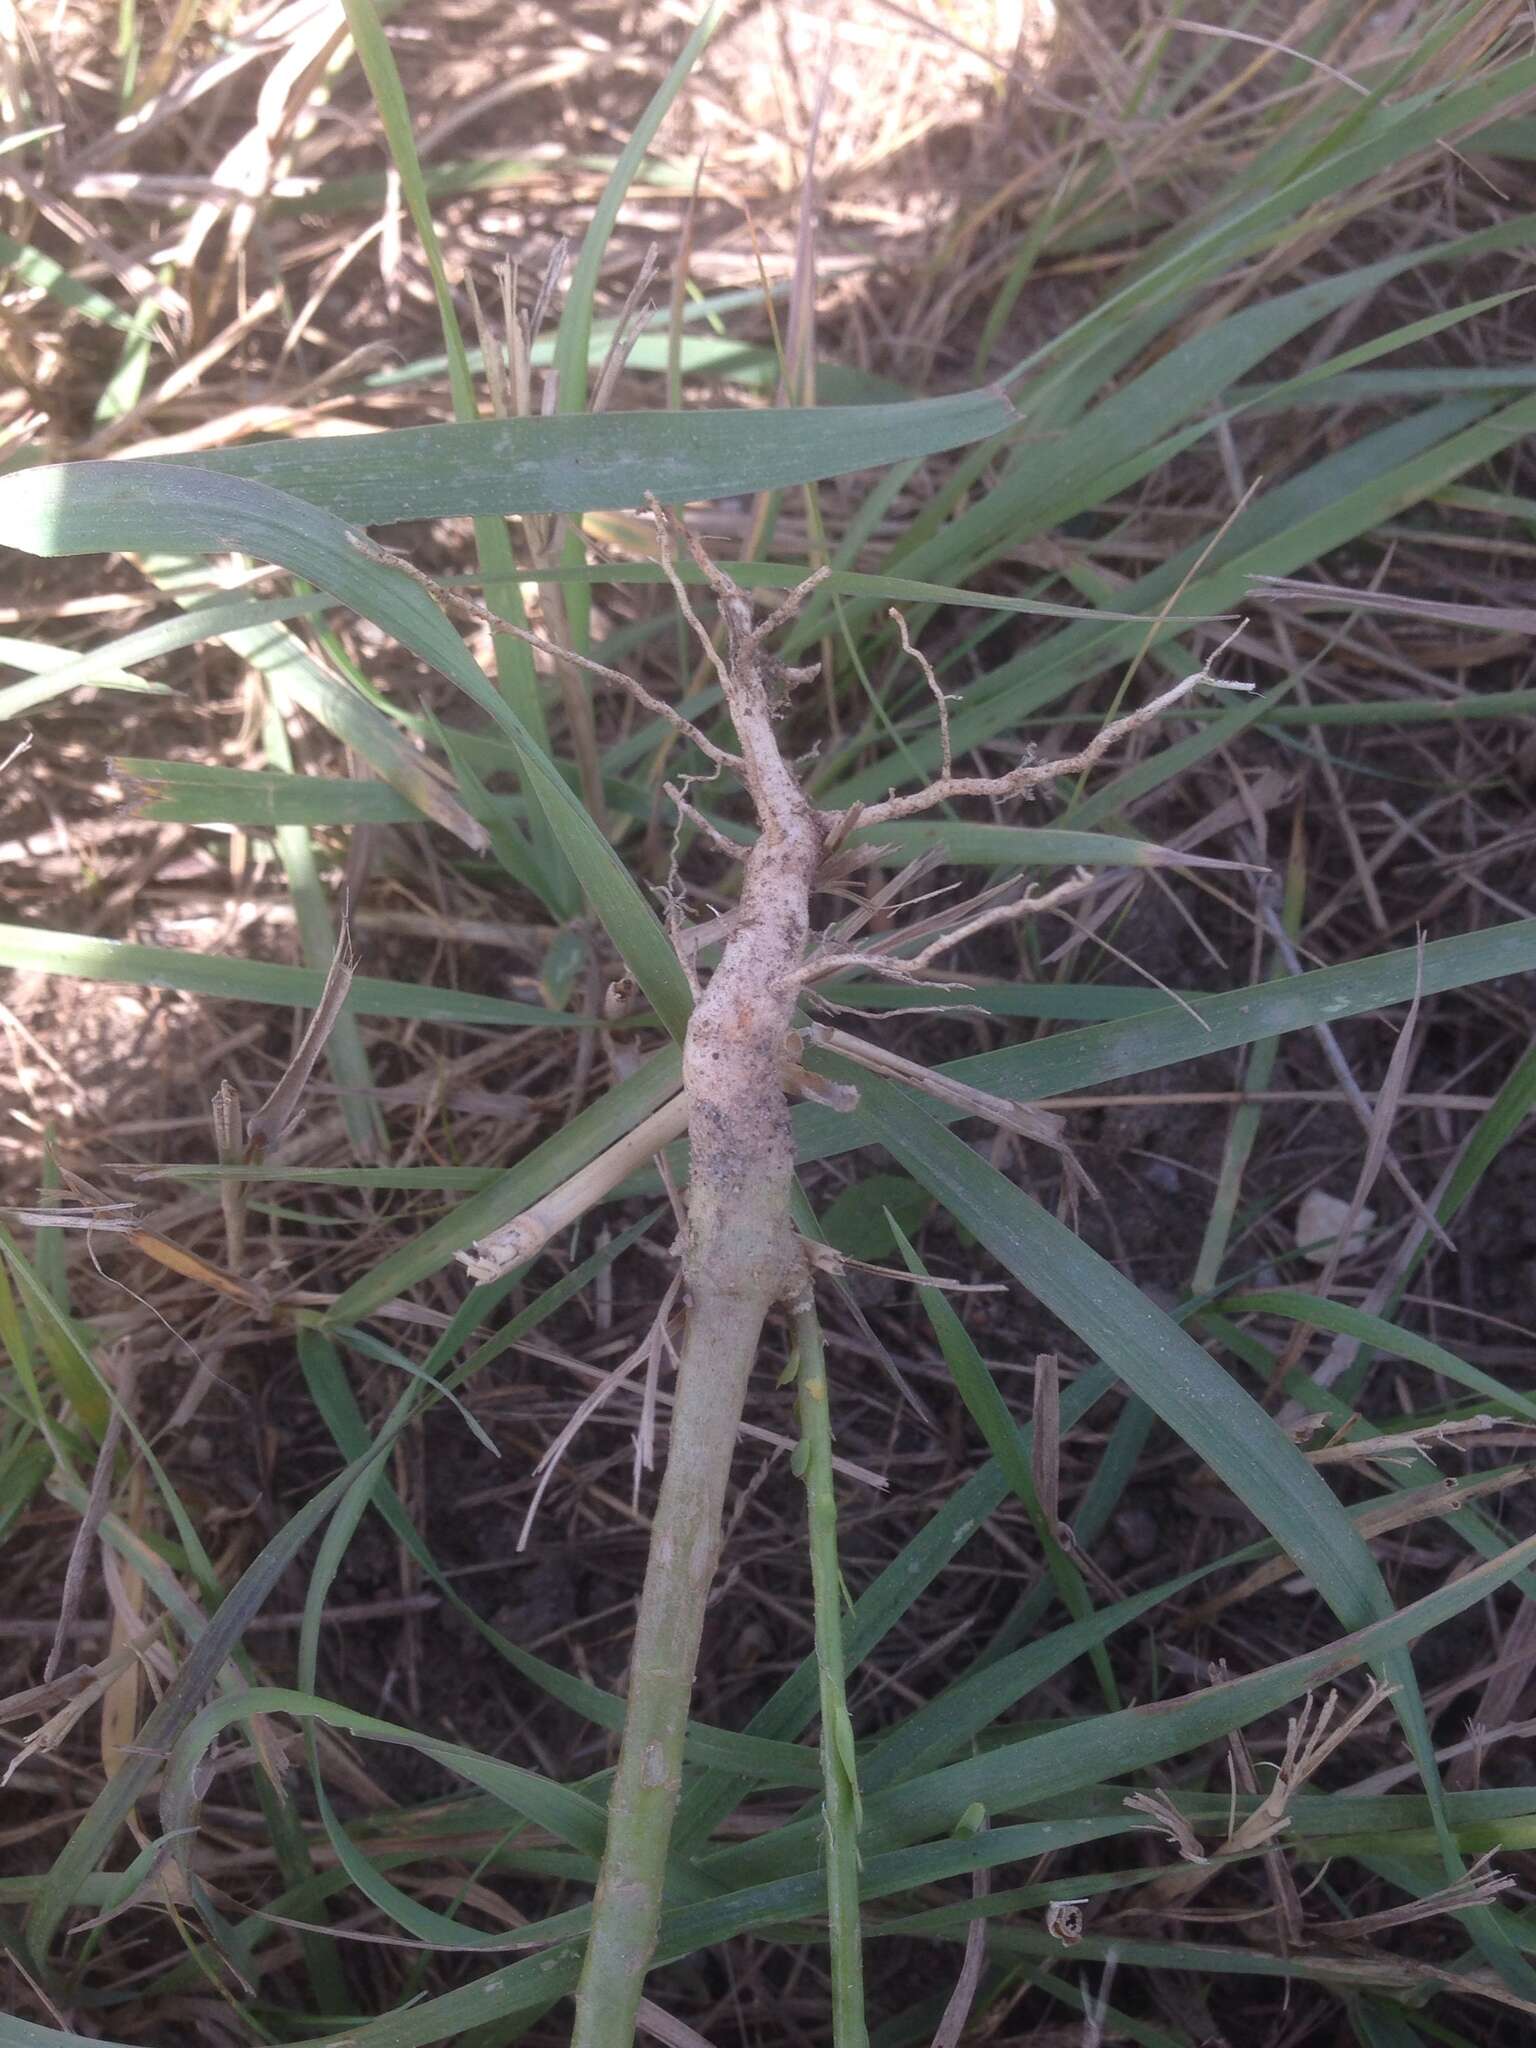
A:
[742, 1259]
[718, 1355]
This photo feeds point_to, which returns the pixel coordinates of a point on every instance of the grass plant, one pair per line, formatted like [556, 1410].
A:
[802, 854]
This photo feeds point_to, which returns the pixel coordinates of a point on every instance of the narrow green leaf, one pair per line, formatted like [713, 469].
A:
[514, 661]
[256, 981]
[62, 1344]
[1165, 1034]
[582, 463]
[1216, 1417]
[568, 1814]
[990, 1412]
[45, 275]
[573, 340]
[863, 1220]
[1299, 1306]
[1013, 1777]
[970, 845]
[53, 672]
[878, 1610]
[1174, 1376]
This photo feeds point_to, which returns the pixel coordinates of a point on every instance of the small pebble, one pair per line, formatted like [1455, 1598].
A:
[1138, 1532]
[1319, 1220]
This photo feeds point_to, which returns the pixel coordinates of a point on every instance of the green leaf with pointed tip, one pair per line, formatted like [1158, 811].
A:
[103, 665]
[581, 463]
[566, 1813]
[1300, 1306]
[573, 339]
[53, 671]
[856, 1221]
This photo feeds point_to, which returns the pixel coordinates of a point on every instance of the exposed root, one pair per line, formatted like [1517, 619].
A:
[1032, 774]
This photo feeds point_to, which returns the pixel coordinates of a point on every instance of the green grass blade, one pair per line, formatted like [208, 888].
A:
[1174, 1376]
[1016, 1777]
[1298, 1305]
[878, 1610]
[1002, 846]
[585, 463]
[61, 1343]
[567, 1814]
[839, 1762]
[989, 1411]
[573, 341]
[43, 274]
[256, 981]
[204, 620]
[1171, 1373]
[53, 672]
[1165, 1034]
[345, 1053]
[348, 716]
[514, 661]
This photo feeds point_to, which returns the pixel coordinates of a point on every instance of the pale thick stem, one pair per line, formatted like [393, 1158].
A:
[717, 1361]
[742, 1259]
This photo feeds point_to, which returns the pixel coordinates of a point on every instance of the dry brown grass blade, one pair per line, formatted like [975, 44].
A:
[1378, 1151]
[125, 1590]
[661, 2026]
[1380, 1120]
[84, 1543]
[229, 1149]
[952, 2024]
[187, 375]
[1039, 1126]
[1481, 1884]
[279, 1112]
[1032, 774]
[1379, 1519]
[1488, 618]
[248, 168]
[1501, 1695]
